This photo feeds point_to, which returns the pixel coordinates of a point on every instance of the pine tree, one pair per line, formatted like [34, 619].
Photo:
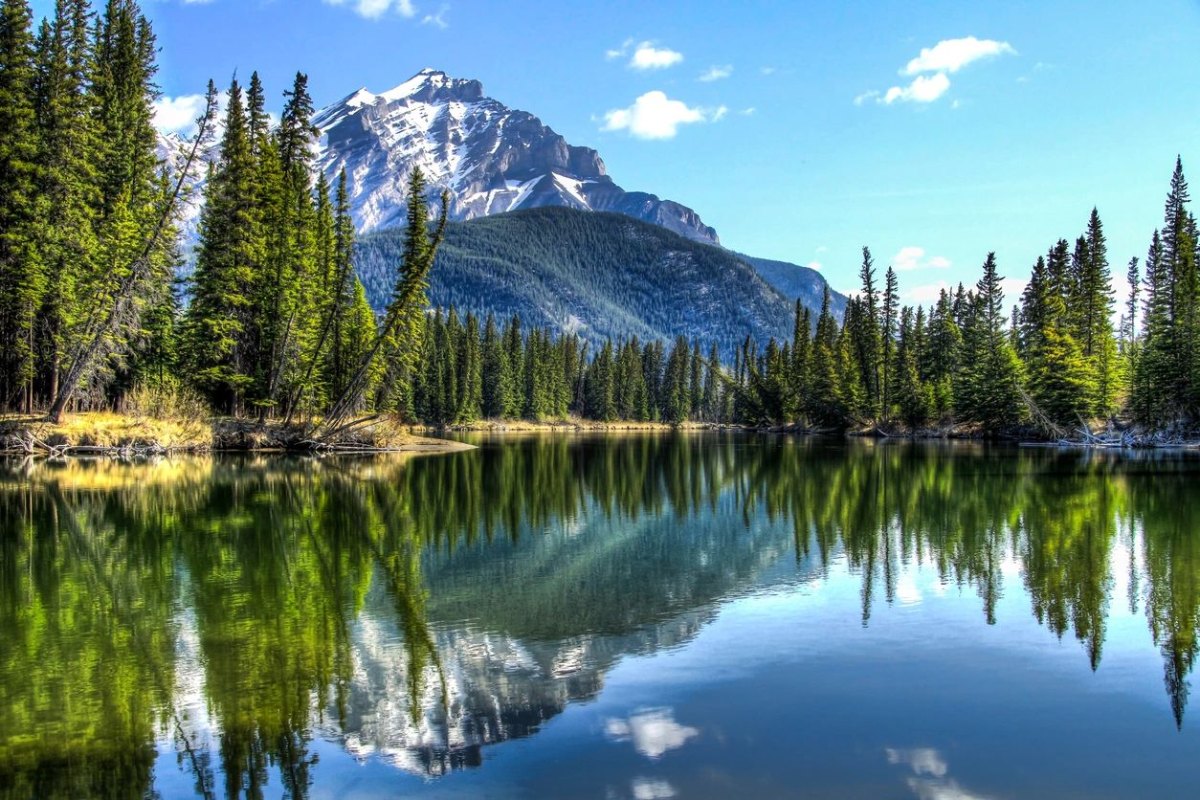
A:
[1062, 382]
[601, 386]
[67, 182]
[865, 327]
[231, 254]
[1153, 400]
[824, 403]
[1095, 308]
[513, 395]
[912, 399]
[136, 251]
[470, 372]
[799, 379]
[22, 275]
[889, 319]
[938, 361]
[989, 387]
[496, 375]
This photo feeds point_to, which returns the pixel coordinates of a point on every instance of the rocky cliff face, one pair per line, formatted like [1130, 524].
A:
[492, 158]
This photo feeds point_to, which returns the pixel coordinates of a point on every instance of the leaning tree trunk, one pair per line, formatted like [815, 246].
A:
[100, 323]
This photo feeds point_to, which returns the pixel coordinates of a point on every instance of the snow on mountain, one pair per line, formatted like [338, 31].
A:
[492, 158]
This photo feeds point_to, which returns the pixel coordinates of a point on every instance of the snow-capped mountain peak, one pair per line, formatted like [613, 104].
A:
[490, 157]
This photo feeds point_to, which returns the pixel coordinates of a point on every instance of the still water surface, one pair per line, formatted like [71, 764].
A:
[644, 617]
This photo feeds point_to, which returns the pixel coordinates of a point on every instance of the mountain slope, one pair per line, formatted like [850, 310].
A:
[492, 158]
[798, 283]
[597, 274]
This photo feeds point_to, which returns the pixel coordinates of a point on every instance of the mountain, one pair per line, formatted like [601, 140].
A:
[600, 279]
[798, 283]
[492, 158]
[596, 274]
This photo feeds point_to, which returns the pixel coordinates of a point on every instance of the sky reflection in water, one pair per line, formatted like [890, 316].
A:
[623, 617]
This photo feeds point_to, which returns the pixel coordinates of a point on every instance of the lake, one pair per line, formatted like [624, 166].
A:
[646, 616]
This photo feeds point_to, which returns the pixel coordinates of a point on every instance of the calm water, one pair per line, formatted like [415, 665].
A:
[634, 617]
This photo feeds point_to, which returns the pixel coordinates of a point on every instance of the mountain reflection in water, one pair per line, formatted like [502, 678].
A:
[415, 610]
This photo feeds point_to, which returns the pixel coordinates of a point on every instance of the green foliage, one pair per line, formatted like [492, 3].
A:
[623, 277]
[265, 585]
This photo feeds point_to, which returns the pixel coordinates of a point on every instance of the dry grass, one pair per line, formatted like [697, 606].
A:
[106, 429]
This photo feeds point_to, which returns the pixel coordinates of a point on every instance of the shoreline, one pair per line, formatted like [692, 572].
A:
[120, 435]
[109, 434]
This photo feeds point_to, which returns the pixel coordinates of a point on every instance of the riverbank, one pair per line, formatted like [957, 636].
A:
[569, 425]
[101, 433]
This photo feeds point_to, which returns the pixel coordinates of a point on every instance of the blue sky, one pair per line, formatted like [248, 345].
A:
[1006, 123]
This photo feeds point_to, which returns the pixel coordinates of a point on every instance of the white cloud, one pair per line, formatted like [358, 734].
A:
[437, 19]
[930, 780]
[951, 55]
[653, 732]
[647, 56]
[649, 789]
[716, 73]
[930, 70]
[768, 70]
[749, 111]
[912, 257]
[374, 9]
[923, 89]
[656, 116]
[178, 114]
[814, 265]
[922, 760]
[619, 52]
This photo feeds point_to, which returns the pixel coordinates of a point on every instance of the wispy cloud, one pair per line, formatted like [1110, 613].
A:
[656, 116]
[913, 258]
[716, 73]
[931, 68]
[374, 9]
[951, 55]
[437, 19]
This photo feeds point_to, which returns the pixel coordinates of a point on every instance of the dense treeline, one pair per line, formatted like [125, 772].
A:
[1052, 361]
[468, 373]
[279, 323]
[86, 254]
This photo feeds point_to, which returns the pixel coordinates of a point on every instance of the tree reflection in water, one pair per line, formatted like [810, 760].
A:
[419, 608]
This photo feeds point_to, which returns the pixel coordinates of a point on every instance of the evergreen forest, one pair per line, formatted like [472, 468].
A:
[274, 322]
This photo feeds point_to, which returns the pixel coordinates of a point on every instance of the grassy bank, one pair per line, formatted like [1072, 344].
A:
[106, 432]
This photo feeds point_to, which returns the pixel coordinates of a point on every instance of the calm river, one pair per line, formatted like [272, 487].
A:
[638, 616]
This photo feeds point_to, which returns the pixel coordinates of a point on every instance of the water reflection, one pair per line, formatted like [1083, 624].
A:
[930, 778]
[414, 611]
[653, 732]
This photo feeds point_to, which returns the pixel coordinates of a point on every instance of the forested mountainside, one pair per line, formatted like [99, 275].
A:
[599, 275]
[797, 283]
